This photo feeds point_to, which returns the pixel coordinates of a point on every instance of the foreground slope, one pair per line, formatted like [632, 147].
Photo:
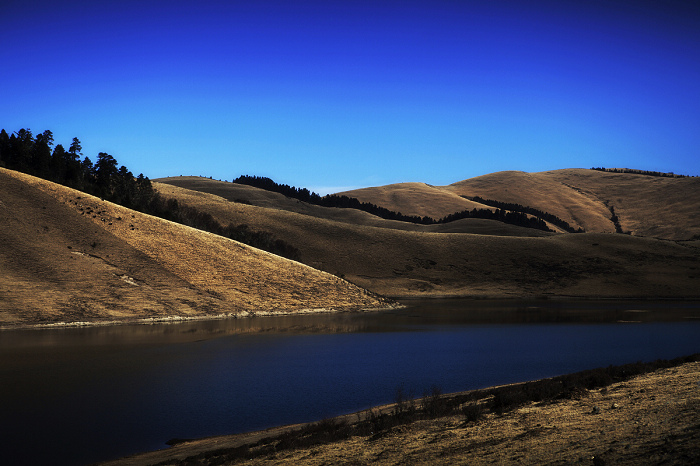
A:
[650, 419]
[67, 256]
[418, 260]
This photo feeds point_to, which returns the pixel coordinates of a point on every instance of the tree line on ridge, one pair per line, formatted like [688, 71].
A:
[640, 172]
[512, 214]
[37, 156]
[553, 219]
[33, 155]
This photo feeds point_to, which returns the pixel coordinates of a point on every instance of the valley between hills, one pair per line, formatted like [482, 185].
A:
[69, 257]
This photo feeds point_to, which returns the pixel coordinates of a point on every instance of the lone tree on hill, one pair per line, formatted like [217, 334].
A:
[105, 173]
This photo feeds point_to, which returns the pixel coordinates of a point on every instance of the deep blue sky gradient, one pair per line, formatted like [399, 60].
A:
[332, 95]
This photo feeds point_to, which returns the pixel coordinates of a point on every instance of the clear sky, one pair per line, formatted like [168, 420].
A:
[332, 95]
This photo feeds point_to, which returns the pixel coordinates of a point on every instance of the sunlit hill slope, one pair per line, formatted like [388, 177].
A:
[485, 258]
[66, 256]
[661, 207]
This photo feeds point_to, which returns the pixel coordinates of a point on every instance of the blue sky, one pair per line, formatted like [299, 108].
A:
[332, 95]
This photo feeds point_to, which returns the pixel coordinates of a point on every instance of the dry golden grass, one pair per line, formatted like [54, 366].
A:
[69, 257]
[415, 199]
[401, 260]
[248, 195]
[646, 205]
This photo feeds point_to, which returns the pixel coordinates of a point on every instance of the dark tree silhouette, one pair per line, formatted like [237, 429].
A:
[334, 200]
[553, 219]
[75, 147]
[32, 155]
[639, 172]
[105, 174]
[4, 147]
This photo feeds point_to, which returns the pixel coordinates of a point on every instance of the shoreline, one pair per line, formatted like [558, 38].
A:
[166, 320]
[631, 399]
[546, 298]
[396, 304]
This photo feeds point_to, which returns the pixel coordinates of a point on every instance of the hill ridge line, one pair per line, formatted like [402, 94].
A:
[219, 275]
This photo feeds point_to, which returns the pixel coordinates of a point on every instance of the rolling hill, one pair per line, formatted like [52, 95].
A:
[415, 199]
[660, 207]
[472, 257]
[70, 257]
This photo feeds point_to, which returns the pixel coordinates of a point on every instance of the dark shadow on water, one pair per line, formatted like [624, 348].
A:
[417, 315]
[465, 311]
[80, 395]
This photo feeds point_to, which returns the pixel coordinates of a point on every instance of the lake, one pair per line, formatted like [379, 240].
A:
[99, 393]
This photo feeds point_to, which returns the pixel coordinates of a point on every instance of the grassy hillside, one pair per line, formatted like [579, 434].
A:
[416, 199]
[241, 194]
[646, 205]
[67, 257]
[653, 206]
[398, 259]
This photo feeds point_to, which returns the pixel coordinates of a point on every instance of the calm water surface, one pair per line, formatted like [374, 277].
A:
[100, 393]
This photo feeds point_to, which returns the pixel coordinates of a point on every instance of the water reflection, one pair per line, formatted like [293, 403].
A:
[103, 392]
[417, 315]
[465, 312]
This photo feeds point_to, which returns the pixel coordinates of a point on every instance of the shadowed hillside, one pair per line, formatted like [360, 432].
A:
[419, 260]
[67, 256]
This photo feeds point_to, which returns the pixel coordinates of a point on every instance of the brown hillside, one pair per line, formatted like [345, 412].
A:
[653, 206]
[236, 192]
[67, 256]
[540, 192]
[527, 189]
[646, 205]
[422, 261]
[415, 199]
[243, 194]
